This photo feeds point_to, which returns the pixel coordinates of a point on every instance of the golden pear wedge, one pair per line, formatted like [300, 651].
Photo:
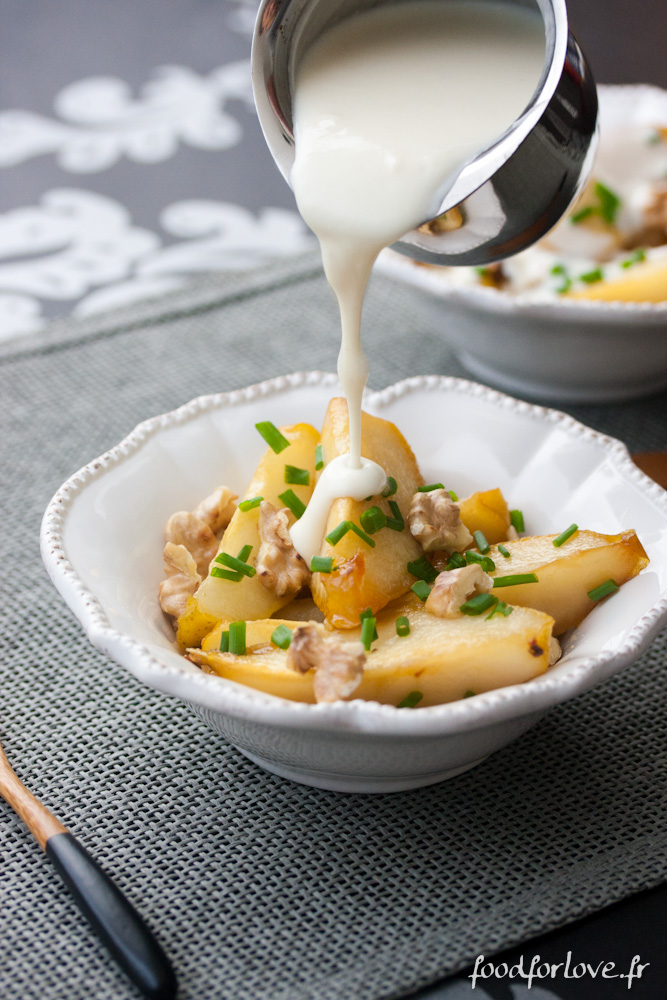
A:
[486, 511]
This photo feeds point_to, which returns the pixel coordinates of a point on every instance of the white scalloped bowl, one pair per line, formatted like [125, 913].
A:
[102, 540]
[552, 349]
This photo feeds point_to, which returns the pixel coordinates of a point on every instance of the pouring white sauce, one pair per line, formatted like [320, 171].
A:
[388, 105]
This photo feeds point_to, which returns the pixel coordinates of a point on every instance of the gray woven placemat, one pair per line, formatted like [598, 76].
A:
[259, 888]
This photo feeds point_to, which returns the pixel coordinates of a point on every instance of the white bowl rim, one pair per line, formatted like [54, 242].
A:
[489, 299]
[236, 700]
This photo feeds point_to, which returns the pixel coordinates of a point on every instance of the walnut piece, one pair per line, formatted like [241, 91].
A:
[435, 521]
[338, 665]
[454, 587]
[182, 579]
[279, 566]
[184, 528]
[217, 509]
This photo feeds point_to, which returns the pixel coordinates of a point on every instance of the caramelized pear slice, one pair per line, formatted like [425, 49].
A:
[443, 659]
[247, 599]
[486, 511]
[367, 576]
[566, 574]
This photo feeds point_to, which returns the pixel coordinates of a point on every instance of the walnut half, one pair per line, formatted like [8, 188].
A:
[435, 521]
[182, 579]
[279, 566]
[454, 587]
[338, 665]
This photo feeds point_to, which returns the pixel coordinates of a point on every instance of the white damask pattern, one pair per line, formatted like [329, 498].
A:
[102, 122]
[78, 245]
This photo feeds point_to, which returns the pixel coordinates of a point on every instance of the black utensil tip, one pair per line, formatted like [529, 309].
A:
[115, 920]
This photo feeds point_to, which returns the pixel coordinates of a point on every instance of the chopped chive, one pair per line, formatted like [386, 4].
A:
[402, 626]
[291, 500]
[604, 590]
[504, 551]
[250, 504]
[281, 636]
[362, 534]
[244, 553]
[390, 488]
[564, 535]
[478, 604]
[396, 522]
[300, 477]
[480, 539]
[515, 579]
[516, 520]
[564, 286]
[469, 694]
[224, 642]
[591, 277]
[654, 138]
[276, 441]
[239, 565]
[422, 569]
[321, 564]
[319, 457]
[486, 562]
[609, 202]
[369, 614]
[224, 574]
[373, 519]
[421, 589]
[339, 532]
[430, 488]
[456, 561]
[501, 609]
[411, 700]
[237, 638]
[583, 213]
[558, 269]
[635, 258]
[368, 632]
[453, 495]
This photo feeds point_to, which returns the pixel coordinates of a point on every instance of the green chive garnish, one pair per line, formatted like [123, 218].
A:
[402, 626]
[224, 642]
[453, 496]
[591, 277]
[501, 609]
[478, 604]
[396, 522]
[368, 632]
[411, 700]
[422, 569]
[390, 488]
[321, 564]
[421, 589]
[368, 613]
[291, 500]
[604, 590]
[234, 575]
[486, 562]
[635, 258]
[276, 441]
[430, 488]
[224, 574]
[469, 694]
[583, 213]
[516, 520]
[481, 542]
[319, 457]
[609, 202]
[339, 532]
[281, 636]
[456, 561]
[504, 551]
[300, 477]
[373, 519]
[515, 580]
[237, 638]
[239, 565]
[362, 534]
[564, 535]
[250, 504]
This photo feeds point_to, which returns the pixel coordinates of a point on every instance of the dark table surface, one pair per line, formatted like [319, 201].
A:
[131, 160]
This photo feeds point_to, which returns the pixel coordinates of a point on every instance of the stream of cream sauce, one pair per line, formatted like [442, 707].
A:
[388, 105]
